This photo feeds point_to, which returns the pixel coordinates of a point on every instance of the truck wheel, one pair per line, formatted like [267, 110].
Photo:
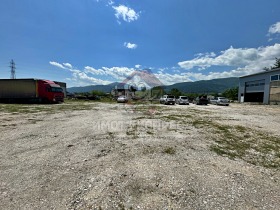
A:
[45, 100]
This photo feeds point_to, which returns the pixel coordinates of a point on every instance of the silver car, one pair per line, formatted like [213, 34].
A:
[167, 99]
[182, 100]
[122, 99]
[220, 101]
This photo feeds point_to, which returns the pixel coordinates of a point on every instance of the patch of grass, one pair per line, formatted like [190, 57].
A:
[150, 132]
[176, 117]
[132, 131]
[233, 141]
[34, 121]
[140, 118]
[240, 128]
[254, 147]
[48, 108]
[169, 150]
[149, 150]
[171, 117]
[14, 108]
[197, 123]
[111, 134]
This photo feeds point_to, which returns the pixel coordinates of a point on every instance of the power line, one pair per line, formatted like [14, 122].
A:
[13, 69]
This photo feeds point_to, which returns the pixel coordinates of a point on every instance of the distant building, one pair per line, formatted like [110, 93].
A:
[123, 90]
[262, 87]
[138, 80]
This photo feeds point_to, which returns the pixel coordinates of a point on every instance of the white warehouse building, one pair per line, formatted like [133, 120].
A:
[262, 87]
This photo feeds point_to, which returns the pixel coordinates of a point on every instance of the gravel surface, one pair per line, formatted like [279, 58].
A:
[124, 156]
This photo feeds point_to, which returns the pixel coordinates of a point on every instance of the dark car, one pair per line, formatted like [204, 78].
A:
[202, 100]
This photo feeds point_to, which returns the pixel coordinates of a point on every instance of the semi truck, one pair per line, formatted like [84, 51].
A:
[30, 90]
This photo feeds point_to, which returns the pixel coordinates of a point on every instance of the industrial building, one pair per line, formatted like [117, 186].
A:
[262, 87]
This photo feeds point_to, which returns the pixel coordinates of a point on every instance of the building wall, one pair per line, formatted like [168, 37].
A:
[266, 76]
[274, 97]
[120, 92]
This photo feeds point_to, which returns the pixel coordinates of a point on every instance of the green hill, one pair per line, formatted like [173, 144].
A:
[104, 88]
[203, 86]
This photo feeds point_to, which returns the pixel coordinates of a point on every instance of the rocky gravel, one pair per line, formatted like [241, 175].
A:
[139, 156]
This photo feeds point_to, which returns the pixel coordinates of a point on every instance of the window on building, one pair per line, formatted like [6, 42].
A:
[255, 83]
[274, 77]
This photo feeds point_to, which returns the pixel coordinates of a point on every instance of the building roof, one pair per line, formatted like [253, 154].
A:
[262, 72]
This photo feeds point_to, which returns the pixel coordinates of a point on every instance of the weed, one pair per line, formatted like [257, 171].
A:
[47, 108]
[132, 131]
[254, 147]
[148, 150]
[169, 150]
[150, 132]
[111, 134]
[241, 128]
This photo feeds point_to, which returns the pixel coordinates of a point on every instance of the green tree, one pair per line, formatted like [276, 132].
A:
[276, 65]
[157, 91]
[175, 92]
[231, 93]
[97, 93]
[143, 89]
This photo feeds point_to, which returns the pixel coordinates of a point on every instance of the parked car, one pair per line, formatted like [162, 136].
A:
[182, 100]
[202, 100]
[122, 99]
[220, 101]
[167, 99]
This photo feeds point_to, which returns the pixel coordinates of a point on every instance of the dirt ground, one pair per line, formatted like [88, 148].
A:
[139, 156]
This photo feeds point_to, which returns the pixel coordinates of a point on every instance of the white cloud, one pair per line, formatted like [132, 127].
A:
[91, 76]
[84, 78]
[68, 65]
[106, 75]
[169, 79]
[117, 73]
[126, 13]
[207, 55]
[274, 29]
[62, 66]
[111, 2]
[94, 71]
[56, 64]
[81, 77]
[253, 58]
[130, 45]
[243, 61]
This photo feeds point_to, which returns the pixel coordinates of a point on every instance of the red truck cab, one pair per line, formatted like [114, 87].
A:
[49, 91]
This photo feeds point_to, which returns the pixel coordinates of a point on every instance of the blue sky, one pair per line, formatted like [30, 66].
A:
[87, 42]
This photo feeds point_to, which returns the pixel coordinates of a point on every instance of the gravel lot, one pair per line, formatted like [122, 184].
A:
[84, 155]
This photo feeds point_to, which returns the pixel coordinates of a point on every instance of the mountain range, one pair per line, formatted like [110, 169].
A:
[202, 86]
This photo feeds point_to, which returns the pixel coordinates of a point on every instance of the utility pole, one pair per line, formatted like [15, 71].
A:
[13, 69]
